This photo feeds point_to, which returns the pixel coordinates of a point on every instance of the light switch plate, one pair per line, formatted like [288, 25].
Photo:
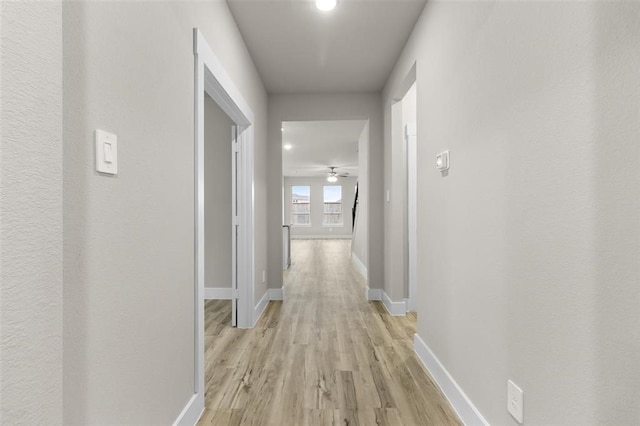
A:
[106, 152]
[442, 161]
[515, 401]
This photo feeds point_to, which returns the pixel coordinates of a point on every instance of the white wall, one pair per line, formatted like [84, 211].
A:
[217, 196]
[31, 213]
[309, 107]
[359, 244]
[316, 185]
[129, 252]
[528, 250]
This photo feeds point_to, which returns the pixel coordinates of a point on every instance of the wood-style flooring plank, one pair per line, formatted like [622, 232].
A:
[324, 356]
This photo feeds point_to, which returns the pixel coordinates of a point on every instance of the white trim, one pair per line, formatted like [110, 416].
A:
[396, 309]
[234, 225]
[321, 237]
[373, 293]
[246, 252]
[191, 412]
[359, 265]
[258, 310]
[460, 402]
[218, 293]
[211, 77]
[276, 293]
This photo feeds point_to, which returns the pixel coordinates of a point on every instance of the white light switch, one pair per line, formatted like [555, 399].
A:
[108, 156]
[515, 401]
[106, 152]
[442, 161]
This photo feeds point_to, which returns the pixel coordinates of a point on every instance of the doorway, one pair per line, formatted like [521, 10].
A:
[403, 213]
[320, 174]
[221, 158]
[212, 80]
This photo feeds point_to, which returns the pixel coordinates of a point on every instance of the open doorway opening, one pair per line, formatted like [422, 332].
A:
[212, 80]
[404, 209]
[220, 204]
[320, 180]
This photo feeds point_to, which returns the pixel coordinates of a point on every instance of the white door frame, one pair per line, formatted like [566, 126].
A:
[211, 77]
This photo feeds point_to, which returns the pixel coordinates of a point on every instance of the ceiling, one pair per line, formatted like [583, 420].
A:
[318, 145]
[300, 49]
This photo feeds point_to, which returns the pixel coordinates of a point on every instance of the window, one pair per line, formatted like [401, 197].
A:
[332, 206]
[300, 206]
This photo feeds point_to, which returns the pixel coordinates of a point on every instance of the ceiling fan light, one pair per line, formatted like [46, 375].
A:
[332, 178]
[326, 5]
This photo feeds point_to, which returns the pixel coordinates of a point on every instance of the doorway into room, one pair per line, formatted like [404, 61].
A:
[213, 86]
[220, 208]
[404, 147]
[320, 180]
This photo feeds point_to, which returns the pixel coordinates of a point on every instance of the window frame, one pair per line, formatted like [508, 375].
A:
[324, 212]
[292, 204]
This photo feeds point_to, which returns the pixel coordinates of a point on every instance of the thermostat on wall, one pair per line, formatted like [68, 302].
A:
[442, 161]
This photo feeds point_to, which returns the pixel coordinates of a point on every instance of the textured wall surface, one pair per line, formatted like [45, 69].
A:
[528, 250]
[306, 107]
[31, 214]
[128, 241]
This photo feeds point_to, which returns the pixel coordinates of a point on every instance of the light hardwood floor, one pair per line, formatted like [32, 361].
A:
[324, 356]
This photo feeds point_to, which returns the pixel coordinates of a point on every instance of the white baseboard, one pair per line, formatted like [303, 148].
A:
[218, 293]
[321, 237]
[408, 304]
[191, 412]
[276, 293]
[373, 293]
[359, 265]
[396, 309]
[258, 310]
[462, 405]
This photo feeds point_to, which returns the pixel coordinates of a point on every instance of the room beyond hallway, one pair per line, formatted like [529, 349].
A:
[323, 356]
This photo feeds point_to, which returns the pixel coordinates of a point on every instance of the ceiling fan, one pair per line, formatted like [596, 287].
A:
[332, 175]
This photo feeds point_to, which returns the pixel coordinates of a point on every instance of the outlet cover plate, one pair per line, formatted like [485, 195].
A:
[515, 401]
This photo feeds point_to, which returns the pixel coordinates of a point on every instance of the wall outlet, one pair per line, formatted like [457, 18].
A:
[515, 401]
[264, 276]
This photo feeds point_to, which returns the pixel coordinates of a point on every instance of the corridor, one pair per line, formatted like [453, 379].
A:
[323, 356]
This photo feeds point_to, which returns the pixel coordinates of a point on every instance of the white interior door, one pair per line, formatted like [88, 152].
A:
[235, 152]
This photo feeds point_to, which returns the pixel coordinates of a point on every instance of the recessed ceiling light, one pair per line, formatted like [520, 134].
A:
[288, 146]
[325, 4]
